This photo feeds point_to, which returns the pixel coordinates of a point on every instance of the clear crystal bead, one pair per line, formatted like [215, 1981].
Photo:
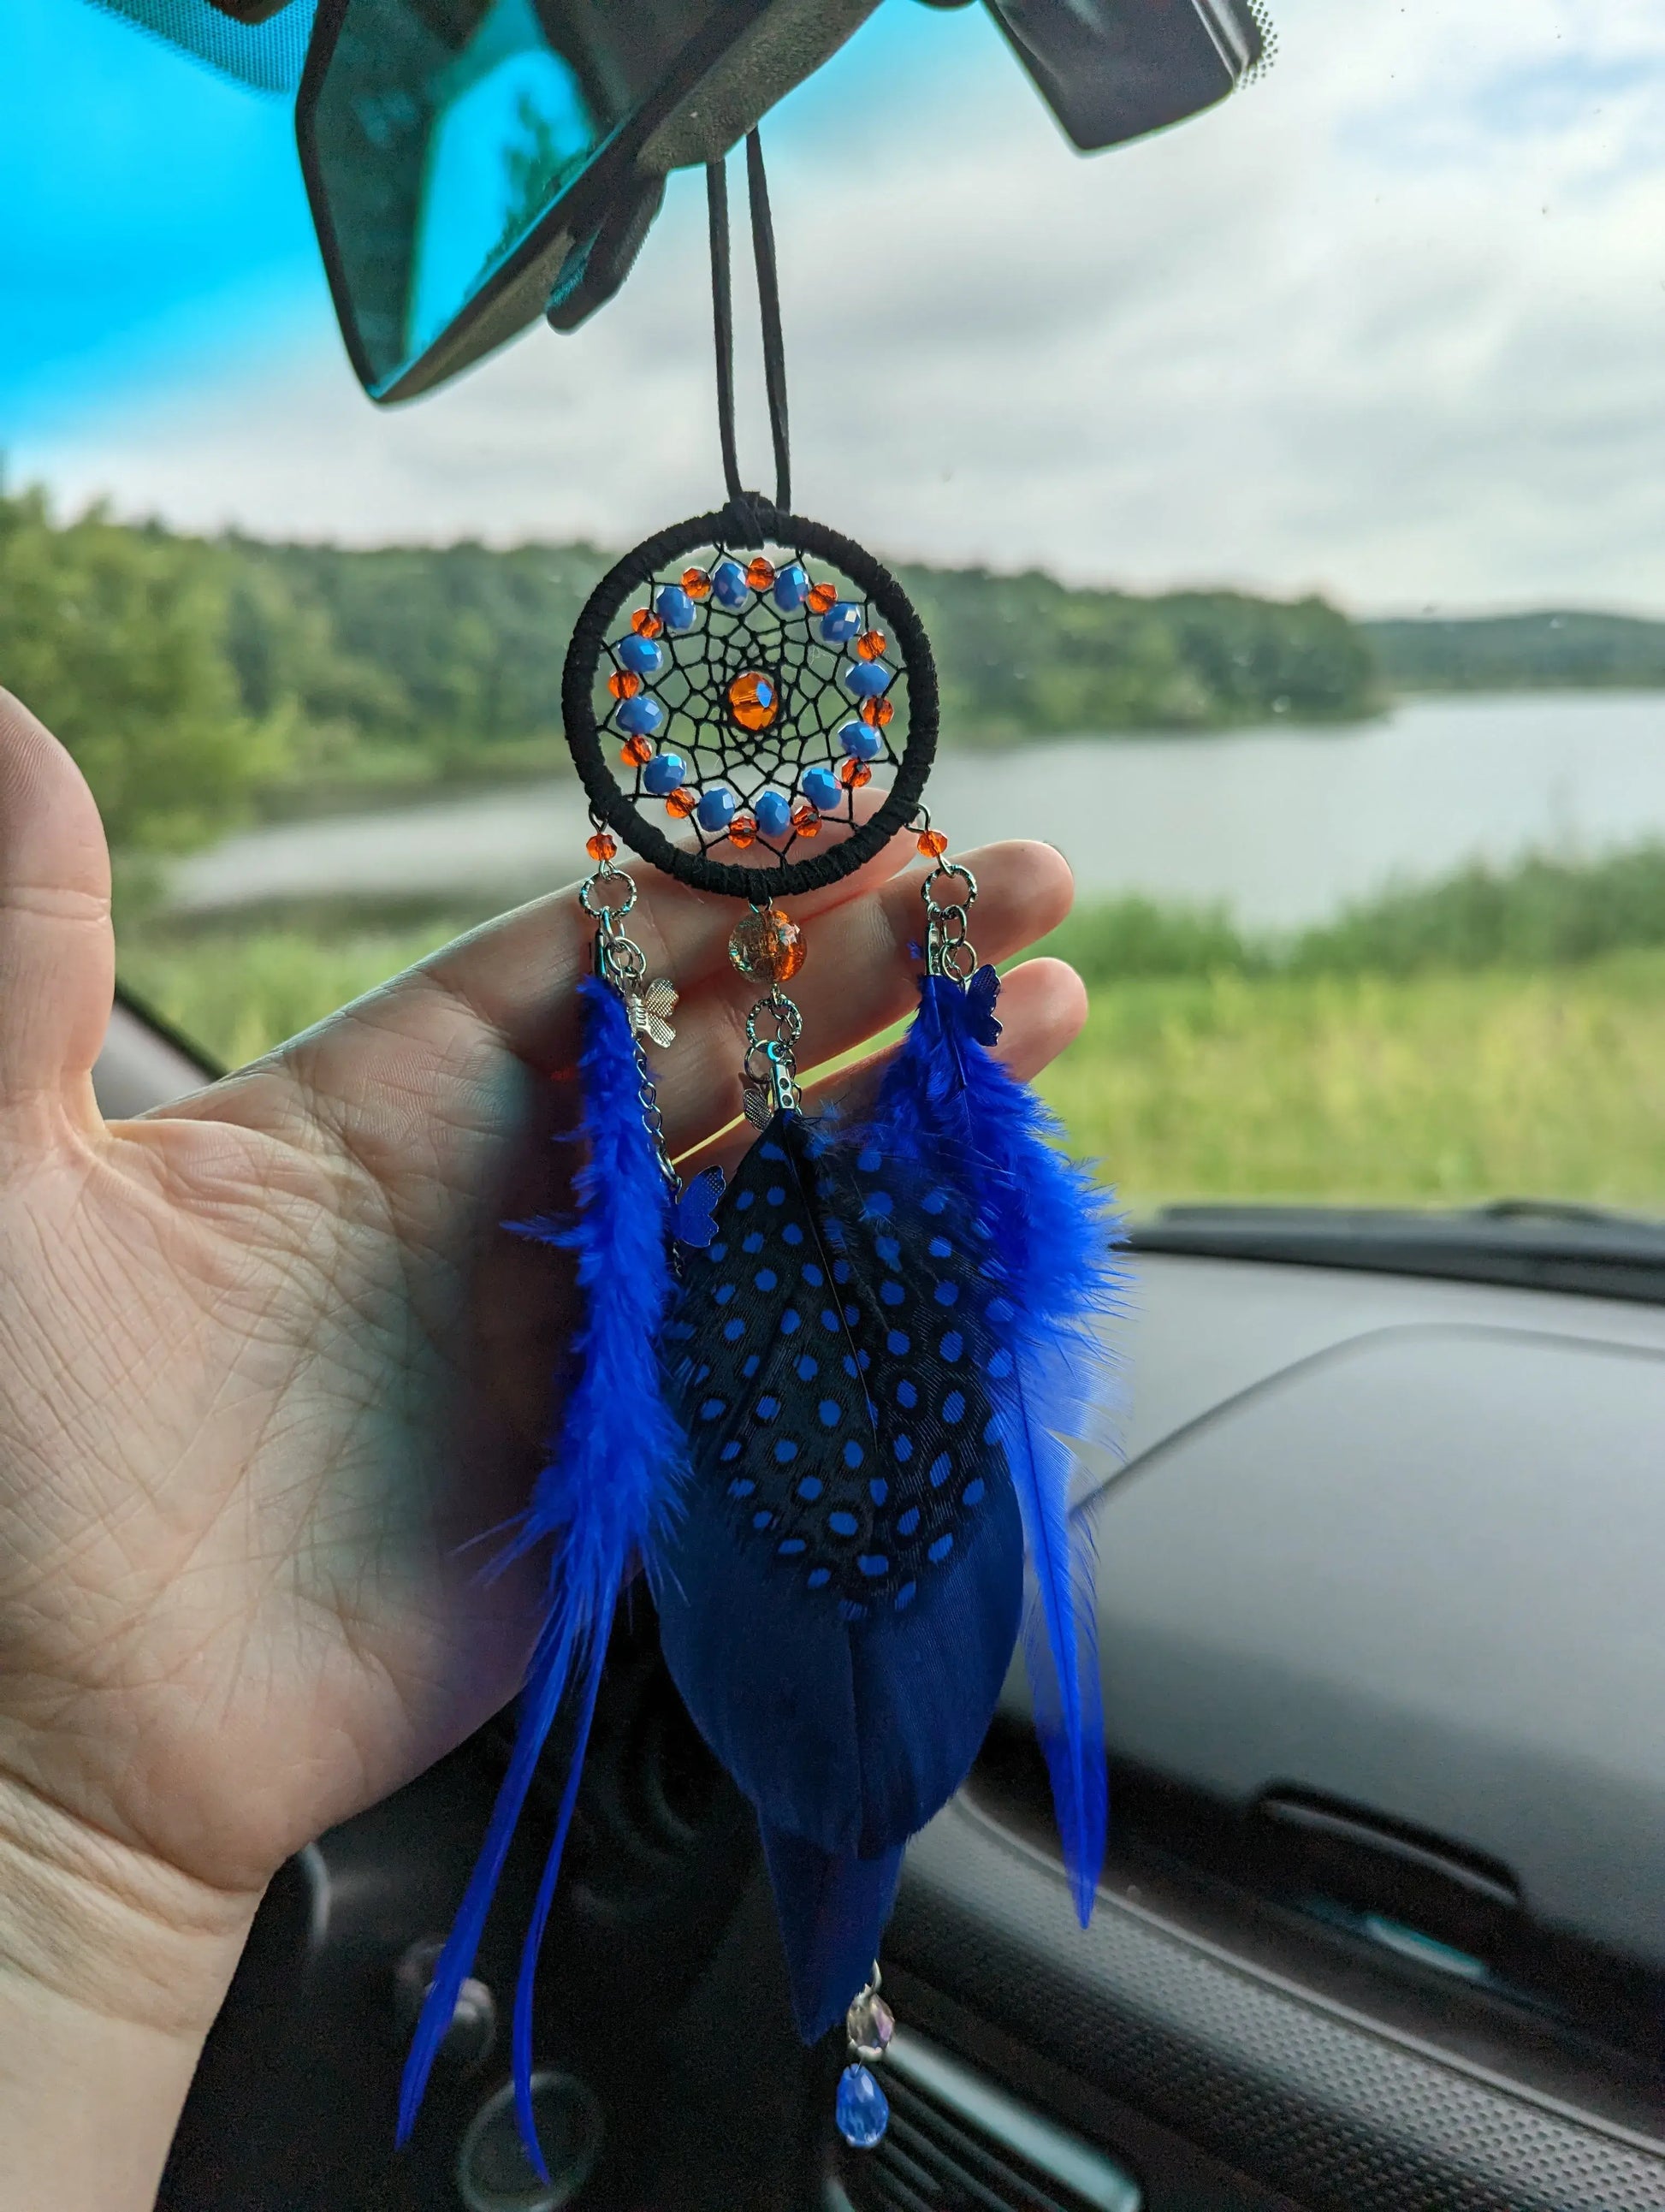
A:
[870, 2024]
[863, 2109]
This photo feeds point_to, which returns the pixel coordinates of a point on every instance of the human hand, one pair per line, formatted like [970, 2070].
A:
[268, 1364]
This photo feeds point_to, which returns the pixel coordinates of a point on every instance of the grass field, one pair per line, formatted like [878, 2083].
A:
[1441, 1086]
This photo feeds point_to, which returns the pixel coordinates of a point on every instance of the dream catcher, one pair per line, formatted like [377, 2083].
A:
[829, 1407]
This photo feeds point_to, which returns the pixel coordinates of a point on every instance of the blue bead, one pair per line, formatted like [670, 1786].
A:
[665, 771]
[674, 609]
[642, 717]
[860, 742]
[823, 789]
[716, 809]
[866, 679]
[642, 656]
[863, 2111]
[729, 586]
[774, 813]
[840, 623]
[792, 587]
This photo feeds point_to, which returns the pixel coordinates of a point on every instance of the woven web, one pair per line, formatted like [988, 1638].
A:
[788, 650]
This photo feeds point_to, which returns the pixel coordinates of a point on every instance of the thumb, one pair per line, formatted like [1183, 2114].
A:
[57, 954]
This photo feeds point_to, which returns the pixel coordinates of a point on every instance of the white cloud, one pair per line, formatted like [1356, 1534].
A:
[1391, 323]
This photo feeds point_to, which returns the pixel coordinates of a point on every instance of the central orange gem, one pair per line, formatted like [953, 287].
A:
[753, 700]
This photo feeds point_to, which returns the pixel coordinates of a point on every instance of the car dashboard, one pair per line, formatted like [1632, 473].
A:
[1383, 1927]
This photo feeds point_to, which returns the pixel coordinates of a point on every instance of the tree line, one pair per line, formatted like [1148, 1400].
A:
[197, 680]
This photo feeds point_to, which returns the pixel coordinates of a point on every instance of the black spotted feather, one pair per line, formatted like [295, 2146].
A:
[840, 1598]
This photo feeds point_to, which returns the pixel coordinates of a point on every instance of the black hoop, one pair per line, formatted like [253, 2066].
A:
[747, 524]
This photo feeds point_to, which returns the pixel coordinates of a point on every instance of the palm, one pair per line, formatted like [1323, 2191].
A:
[270, 1368]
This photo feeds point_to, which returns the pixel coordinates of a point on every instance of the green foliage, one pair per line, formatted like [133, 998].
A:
[1540, 914]
[1024, 656]
[116, 638]
[1122, 938]
[1542, 651]
[1439, 1089]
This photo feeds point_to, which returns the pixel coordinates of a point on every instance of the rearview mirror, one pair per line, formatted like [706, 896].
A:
[474, 163]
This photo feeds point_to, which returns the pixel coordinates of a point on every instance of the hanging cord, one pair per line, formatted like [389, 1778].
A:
[769, 301]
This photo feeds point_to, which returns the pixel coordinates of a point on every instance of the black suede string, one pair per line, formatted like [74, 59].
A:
[769, 302]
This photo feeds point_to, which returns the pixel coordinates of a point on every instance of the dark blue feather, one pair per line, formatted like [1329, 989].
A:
[840, 1601]
[610, 1485]
[832, 1907]
[1052, 1231]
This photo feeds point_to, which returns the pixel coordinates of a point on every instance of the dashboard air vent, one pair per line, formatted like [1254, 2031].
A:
[957, 2143]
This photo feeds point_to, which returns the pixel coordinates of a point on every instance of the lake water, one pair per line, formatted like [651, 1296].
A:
[1281, 827]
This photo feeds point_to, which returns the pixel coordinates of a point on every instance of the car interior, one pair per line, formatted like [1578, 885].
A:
[1380, 1926]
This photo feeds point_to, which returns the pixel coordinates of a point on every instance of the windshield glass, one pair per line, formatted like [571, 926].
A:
[1280, 493]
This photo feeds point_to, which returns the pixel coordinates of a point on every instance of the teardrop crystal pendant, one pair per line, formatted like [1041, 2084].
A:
[863, 2109]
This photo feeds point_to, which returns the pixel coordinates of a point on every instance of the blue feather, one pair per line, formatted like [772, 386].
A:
[1052, 1232]
[840, 1602]
[610, 1487]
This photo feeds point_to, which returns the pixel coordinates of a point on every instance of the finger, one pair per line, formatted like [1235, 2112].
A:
[1044, 1005]
[862, 976]
[56, 952]
[519, 974]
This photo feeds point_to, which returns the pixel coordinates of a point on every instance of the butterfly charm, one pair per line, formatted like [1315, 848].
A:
[649, 1010]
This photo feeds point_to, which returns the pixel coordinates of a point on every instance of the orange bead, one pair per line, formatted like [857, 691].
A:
[743, 830]
[767, 945]
[634, 752]
[622, 685]
[601, 847]
[871, 644]
[681, 802]
[876, 713]
[647, 623]
[932, 843]
[806, 820]
[822, 596]
[760, 574]
[853, 773]
[697, 583]
[754, 701]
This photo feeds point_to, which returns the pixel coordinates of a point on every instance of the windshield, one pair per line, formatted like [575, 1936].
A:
[1280, 493]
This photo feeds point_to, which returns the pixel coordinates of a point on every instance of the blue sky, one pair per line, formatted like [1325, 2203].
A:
[1391, 323]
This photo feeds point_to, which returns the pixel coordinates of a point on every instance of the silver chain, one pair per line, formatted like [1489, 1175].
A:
[621, 962]
[769, 1071]
[948, 947]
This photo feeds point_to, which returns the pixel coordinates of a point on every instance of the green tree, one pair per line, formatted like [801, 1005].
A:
[116, 638]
